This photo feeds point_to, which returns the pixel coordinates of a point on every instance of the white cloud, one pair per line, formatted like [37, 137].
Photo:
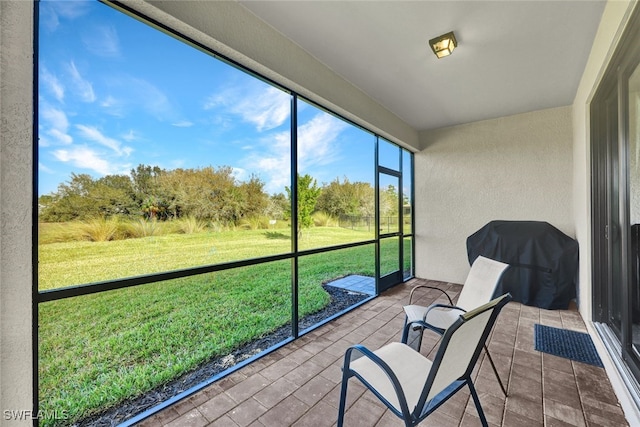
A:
[54, 117]
[43, 168]
[52, 84]
[152, 99]
[109, 102]
[239, 174]
[113, 106]
[131, 136]
[317, 147]
[273, 163]
[316, 141]
[43, 141]
[182, 124]
[60, 137]
[70, 9]
[52, 12]
[93, 134]
[132, 95]
[83, 87]
[85, 158]
[102, 41]
[55, 124]
[267, 108]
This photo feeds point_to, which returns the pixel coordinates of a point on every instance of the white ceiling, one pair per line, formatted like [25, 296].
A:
[512, 56]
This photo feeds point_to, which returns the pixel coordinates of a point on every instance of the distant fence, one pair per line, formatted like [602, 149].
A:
[356, 222]
[388, 224]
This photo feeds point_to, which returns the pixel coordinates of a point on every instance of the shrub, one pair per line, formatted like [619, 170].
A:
[143, 228]
[99, 229]
[323, 219]
[217, 226]
[255, 223]
[190, 225]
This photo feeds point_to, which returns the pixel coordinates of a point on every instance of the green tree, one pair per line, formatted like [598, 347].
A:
[389, 201]
[71, 201]
[145, 181]
[205, 194]
[82, 198]
[255, 200]
[278, 206]
[346, 198]
[308, 193]
[114, 195]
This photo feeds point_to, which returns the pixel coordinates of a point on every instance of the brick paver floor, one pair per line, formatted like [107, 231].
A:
[299, 384]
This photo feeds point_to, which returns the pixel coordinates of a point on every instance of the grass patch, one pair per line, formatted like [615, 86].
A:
[98, 350]
[59, 232]
[73, 263]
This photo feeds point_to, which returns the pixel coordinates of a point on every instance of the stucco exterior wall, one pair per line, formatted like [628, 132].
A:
[16, 113]
[512, 168]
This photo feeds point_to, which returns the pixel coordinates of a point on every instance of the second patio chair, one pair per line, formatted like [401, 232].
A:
[478, 289]
[411, 385]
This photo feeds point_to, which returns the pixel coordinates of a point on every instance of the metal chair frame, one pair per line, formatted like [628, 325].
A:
[425, 405]
[420, 325]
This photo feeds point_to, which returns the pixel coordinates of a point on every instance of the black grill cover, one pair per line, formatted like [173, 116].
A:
[544, 261]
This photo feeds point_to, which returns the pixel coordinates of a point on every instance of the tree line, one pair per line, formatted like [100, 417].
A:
[207, 194]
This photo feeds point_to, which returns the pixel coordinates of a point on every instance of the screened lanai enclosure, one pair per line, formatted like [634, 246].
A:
[192, 214]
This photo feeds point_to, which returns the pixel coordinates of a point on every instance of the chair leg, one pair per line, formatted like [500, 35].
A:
[343, 397]
[476, 400]
[405, 331]
[414, 339]
[411, 337]
[495, 371]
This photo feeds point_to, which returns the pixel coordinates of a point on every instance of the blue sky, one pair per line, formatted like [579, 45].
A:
[115, 93]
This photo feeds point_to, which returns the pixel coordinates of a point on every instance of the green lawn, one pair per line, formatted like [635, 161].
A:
[72, 263]
[98, 350]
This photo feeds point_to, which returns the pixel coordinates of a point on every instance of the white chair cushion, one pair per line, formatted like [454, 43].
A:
[411, 369]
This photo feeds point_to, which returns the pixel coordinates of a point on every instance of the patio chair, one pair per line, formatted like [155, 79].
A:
[478, 289]
[412, 386]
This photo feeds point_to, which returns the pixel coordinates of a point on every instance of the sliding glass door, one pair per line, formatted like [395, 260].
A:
[615, 154]
[633, 140]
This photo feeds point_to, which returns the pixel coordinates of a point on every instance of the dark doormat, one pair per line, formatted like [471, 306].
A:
[572, 345]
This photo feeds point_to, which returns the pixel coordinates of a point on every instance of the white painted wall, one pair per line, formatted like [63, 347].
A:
[16, 112]
[512, 168]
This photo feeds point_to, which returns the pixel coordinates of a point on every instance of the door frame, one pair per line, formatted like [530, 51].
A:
[388, 280]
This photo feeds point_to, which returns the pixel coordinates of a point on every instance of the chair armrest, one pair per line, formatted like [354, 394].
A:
[428, 287]
[423, 322]
[451, 307]
[418, 323]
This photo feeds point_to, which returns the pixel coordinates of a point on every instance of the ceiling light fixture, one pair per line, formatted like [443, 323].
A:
[443, 45]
